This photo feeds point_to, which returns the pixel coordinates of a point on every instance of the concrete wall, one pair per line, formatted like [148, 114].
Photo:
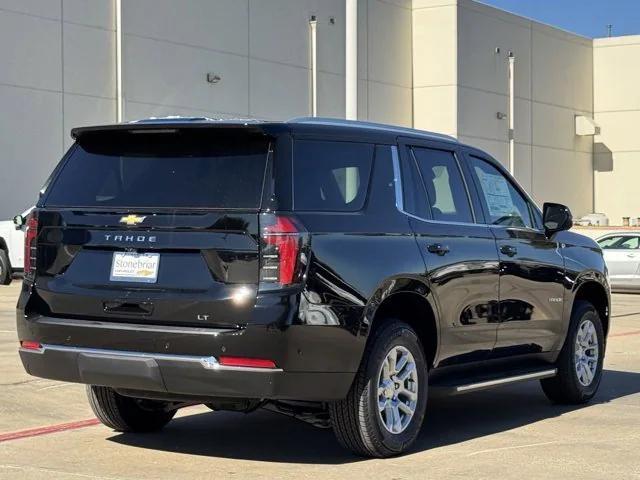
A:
[58, 69]
[56, 73]
[617, 111]
[261, 50]
[435, 68]
[461, 83]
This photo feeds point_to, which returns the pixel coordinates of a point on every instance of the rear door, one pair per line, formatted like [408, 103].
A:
[154, 227]
[531, 265]
[460, 254]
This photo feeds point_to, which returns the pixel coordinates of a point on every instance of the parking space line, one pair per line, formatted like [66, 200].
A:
[34, 432]
[625, 334]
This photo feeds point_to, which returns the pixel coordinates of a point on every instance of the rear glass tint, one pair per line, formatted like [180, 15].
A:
[331, 176]
[183, 169]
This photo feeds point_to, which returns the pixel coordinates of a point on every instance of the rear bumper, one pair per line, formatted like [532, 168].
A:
[314, 363]
[185, 375]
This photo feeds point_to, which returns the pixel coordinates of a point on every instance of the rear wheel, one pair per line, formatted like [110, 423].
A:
[126, 414]
[384, 410]
[580, 362]
[5, 269]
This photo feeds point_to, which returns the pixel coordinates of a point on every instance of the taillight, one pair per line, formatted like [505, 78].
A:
[280, 249]
[30, 236]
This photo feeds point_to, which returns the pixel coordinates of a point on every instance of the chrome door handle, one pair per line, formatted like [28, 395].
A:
[438, 249]
[508, 250]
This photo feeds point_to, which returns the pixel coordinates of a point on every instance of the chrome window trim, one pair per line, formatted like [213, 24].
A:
[207, 362]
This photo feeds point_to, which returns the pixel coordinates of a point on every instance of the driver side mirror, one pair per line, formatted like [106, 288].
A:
[18, 221]
[556, 218]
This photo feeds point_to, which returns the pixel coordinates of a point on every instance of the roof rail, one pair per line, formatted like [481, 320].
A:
[371, 125]
[179, 118]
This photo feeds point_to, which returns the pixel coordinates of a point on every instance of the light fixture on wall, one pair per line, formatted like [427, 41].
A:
[213, 78]
[501, 115]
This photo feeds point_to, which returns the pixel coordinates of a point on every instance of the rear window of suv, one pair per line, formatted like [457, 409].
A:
[331, 176]
[177, 169]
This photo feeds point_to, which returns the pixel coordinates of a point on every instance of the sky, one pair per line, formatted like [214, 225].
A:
[585, 17]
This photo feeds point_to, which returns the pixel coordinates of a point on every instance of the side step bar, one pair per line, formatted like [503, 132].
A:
[474, 387]
[486, 383]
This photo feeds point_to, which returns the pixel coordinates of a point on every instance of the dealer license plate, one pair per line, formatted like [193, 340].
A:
[135, 267]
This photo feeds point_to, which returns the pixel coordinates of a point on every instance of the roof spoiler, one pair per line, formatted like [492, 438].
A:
[168, 124]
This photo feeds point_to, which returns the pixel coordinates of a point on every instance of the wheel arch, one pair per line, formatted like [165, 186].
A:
[596, 293]
[411, 302]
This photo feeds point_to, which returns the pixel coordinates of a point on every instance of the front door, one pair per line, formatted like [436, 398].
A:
[460, 255]
[531, 265]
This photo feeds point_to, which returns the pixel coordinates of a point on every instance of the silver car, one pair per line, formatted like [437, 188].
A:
[622, 255]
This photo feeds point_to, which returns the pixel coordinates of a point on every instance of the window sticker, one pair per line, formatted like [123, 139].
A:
[496, 194]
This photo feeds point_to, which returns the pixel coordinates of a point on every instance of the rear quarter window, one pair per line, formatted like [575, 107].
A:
[331, 176]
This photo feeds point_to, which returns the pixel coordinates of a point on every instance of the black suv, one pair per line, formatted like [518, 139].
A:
[330, 270]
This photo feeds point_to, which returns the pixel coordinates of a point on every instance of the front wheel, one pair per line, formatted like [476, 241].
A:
[580, 362]
[126, 414]
[385, 407]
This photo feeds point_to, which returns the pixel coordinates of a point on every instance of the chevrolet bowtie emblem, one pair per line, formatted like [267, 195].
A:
[132, 220]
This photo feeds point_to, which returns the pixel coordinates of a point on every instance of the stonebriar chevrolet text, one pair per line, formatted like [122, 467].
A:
[330, 270]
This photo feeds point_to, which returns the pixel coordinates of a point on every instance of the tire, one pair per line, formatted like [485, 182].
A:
[569, 386]
[126, 414]
[357, 421]
[5, 269]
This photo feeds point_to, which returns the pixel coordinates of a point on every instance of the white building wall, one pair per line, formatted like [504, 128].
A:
[57, 68]
[261, 50]
[435, 66]
[617, 111]
[553, 83]
[427, 63]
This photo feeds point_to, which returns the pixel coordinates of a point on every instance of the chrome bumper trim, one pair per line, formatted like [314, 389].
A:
[208, 363]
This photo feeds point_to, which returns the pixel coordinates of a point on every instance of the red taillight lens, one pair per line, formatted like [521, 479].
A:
[29, 345]
[281, 246]
[30, 236]
[246, 362]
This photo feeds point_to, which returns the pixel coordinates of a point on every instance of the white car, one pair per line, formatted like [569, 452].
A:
[622, 254]
[11, 247]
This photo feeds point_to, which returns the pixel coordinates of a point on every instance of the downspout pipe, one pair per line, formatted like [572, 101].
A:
[313, 24]
[119, 97]
[351, 60]
[512, 146]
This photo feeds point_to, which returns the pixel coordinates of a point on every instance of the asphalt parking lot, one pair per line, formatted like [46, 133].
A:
[47, 431]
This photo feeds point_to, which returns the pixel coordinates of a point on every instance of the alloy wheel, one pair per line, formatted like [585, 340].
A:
[586, 353]
[397, 389]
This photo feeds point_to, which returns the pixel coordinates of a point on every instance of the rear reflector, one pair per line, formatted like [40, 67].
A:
[29, 345]
[246, 362]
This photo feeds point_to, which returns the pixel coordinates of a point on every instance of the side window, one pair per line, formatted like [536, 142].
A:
[331, 176]
[504, 204]
[446, 192]
[609, 242]
[619, 242]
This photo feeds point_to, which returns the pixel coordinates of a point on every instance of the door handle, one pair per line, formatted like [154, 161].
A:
[508, 250]
[631, 255]
[438, 249]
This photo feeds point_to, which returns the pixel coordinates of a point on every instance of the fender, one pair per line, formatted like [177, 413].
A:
[578, 252]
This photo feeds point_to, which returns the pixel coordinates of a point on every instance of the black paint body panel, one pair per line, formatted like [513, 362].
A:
[491, 311]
